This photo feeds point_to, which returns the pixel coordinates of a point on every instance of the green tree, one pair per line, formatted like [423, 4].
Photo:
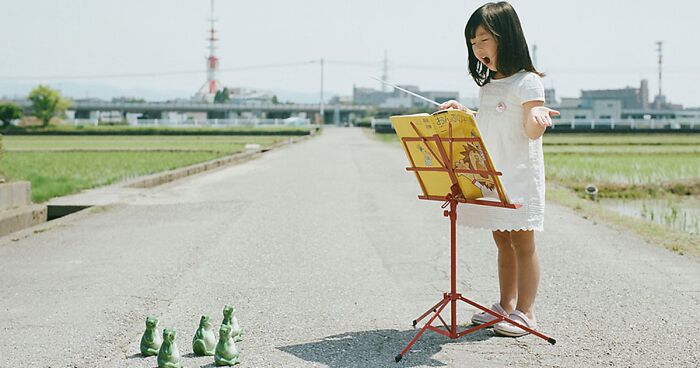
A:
[222, 96]
[47, 103]
[9, 112]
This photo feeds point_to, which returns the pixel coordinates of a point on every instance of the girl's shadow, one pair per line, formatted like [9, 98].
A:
[377, 348]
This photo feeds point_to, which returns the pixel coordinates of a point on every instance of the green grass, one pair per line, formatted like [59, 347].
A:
[622, 170]
[625, 165]
[130, 130]
[224, 144]
[61, 165]
[620, 139]
[55, 174]
[621, 148]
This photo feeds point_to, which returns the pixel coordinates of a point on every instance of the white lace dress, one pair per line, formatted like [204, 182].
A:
[500, 120]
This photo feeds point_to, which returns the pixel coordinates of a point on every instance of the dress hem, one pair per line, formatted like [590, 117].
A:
[522, 228]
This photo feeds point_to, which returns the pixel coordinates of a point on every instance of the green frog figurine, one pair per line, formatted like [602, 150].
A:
[231, 320]
[151, 340]
[226, 351]
[204, 341]
[168, 355]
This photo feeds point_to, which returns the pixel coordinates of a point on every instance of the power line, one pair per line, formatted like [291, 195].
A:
[230, 69]
[155, 74]
[269, 66]
[357, 64]
[102, 76]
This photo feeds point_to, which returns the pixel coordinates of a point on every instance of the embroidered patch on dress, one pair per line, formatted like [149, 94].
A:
[501, 107]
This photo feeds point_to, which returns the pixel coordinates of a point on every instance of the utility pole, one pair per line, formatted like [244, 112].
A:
[385, 71]
[659, 45]
[322, 103]
[534, 55]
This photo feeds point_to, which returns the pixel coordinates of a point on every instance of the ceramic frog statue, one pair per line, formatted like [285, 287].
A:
[168, 355]
[151, 340]
[204, 341]
[226, 351]
[231, 320]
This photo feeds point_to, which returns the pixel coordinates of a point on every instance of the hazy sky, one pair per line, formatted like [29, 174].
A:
[581, 44]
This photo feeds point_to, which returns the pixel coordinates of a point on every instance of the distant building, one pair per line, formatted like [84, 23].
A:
[615, 105]
[340, 100]
[629, 97]
[250, 96]
[398, 99]
[368, 96]
[441, 96]
[550, 96]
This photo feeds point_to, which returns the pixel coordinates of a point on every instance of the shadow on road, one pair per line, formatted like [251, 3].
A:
[377, 348]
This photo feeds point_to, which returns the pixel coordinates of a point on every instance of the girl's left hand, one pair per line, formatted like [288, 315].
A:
[542, 116]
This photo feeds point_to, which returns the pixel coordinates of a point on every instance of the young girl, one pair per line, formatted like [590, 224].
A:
[511, 119]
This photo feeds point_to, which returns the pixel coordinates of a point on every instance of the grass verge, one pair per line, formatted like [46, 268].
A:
[675, 241]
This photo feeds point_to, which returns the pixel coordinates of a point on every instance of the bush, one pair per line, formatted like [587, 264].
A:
[364, 122]
[9, 112]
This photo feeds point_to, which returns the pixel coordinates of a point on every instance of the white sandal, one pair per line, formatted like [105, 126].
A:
[504, 328]
[483, 317]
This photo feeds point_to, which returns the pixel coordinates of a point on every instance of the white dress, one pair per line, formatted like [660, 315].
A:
[500, 120]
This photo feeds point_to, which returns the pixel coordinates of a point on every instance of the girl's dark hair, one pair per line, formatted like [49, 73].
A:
[512, 55]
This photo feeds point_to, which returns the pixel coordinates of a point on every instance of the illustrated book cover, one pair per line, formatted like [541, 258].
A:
[466, 155]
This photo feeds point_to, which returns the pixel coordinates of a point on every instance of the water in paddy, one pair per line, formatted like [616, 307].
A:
[682, 214]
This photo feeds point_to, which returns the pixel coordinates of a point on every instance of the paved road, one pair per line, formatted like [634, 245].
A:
[327, 256]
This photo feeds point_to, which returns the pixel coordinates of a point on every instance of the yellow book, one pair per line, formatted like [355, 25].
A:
[465, 155]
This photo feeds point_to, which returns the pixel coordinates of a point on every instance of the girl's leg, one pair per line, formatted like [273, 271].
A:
[507, 270]
[528, 270]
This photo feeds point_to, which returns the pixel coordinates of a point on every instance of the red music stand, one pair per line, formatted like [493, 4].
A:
[452, 199]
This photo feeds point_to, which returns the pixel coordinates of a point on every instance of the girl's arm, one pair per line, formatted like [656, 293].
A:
[537, 118]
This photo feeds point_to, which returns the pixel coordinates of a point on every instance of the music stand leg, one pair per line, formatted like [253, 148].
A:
[442, 306]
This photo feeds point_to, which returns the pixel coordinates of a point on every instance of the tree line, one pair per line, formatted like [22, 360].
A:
[46, 104]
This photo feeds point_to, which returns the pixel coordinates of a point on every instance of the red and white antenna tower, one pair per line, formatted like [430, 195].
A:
[208, 90]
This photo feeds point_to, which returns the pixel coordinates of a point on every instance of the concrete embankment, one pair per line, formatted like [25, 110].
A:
[16, 208]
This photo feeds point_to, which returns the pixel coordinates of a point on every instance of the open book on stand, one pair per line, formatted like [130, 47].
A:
[465, 150]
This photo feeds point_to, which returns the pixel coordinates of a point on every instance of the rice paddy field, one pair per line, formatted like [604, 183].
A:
[61, 165]
[646, 182]
[629, 166]
[653, 178]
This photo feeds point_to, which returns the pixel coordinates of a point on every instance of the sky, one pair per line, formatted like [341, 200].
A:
[85, 47]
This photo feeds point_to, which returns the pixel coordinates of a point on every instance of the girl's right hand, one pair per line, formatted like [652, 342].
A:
[452, 104]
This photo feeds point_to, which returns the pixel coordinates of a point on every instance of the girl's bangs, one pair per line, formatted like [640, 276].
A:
[474, 22]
